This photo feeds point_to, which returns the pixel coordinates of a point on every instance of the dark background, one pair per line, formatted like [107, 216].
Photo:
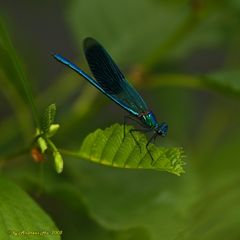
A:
[184, 57]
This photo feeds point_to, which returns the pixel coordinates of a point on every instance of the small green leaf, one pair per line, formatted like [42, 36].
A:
[21, 217]
[52, 130]
[109, 148]
[48, 118]
[42, 144]
[58, 161]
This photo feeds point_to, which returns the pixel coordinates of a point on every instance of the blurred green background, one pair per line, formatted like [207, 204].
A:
[184, 58]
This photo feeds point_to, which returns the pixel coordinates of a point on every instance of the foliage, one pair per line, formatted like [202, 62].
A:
[21, 216]
[188, 73]
[110, 148]
[45, 132]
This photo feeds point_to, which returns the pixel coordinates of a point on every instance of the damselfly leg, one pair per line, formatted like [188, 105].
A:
[153, 137]
[144, 129]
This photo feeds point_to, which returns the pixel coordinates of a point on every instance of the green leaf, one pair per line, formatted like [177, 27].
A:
[58, 161]
[108, 147]
[42, 144]
[52, 130]
[19, 214]
[48, 118]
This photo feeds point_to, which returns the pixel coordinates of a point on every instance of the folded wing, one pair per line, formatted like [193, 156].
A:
[110, 78]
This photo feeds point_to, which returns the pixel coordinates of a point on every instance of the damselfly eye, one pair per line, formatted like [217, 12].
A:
[163, 129]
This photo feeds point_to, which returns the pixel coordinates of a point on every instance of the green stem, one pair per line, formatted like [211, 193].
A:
[51, 145]
[20, 109]
[18, 68]
[177, 80]
[15, 155]
[187, 26]
[69, 153]
[19, 152]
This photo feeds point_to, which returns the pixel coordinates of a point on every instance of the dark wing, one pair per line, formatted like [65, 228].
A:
[74, 67]
[110, 78]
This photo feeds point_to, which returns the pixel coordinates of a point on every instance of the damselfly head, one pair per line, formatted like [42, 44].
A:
[162, 129]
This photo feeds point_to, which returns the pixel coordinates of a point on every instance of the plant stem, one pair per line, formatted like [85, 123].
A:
[185, 28]
[17, 154]
[177, 80]
[69, 153]
[16, 63]
[16, 102]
